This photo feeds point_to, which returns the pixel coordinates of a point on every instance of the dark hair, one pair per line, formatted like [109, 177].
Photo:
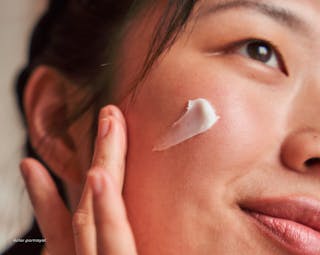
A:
[76, 37]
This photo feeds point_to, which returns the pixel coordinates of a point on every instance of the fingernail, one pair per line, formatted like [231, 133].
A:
[97, 183]
[104, 127]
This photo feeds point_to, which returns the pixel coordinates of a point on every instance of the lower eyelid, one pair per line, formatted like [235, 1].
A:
[251, 63]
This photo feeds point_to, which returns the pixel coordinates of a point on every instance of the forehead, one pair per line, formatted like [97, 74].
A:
[298, 15]
[295, 4]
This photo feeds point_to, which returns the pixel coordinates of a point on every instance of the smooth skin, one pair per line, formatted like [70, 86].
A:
[187, 200]
[99, 225]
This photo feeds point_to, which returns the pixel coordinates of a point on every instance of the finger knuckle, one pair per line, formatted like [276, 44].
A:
[96, 168]
[101, 161]
[80, 219]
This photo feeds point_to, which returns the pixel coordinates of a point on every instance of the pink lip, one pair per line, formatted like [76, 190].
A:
[293, 222]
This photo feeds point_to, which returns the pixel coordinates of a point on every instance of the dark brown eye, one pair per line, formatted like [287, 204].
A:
[260, 51]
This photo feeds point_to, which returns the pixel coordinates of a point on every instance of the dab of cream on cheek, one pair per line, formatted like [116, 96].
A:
[199, 117]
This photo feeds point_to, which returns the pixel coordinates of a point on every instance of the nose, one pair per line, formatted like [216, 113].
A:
[301, 151]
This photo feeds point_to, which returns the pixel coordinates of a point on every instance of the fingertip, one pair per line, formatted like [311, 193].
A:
[24, 169]
[112, 110]
[110, 120]
[29, 164]
[104, 112]
[109, 110]
[25, 162]
[26, 165]
[104, 127]
[36, 176]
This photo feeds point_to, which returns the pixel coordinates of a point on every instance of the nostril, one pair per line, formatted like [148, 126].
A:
[312, 162]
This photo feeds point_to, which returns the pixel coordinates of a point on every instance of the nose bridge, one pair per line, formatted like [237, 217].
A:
[301, 148]
[305, 111]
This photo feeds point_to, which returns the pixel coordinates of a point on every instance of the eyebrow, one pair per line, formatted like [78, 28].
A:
[279, 14]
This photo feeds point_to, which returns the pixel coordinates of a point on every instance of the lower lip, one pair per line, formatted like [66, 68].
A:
[295, 237]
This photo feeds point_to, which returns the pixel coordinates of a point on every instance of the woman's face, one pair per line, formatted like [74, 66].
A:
[257, 63]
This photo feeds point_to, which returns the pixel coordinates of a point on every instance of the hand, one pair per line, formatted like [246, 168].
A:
[99, 225]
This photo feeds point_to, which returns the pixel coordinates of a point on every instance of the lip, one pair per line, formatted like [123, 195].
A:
[293, 222]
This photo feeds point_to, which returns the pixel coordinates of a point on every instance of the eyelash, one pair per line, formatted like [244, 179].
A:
[234, 46]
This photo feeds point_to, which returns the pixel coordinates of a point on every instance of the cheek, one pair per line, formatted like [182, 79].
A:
[229, 149]
[190, 179]
[237, 138]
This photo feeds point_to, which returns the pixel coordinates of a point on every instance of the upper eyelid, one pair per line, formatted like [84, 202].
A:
[237, 44]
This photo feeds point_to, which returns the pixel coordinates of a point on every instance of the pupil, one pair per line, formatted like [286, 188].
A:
[259, 51]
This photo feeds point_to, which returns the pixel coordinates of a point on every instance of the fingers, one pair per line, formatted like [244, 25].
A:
[114, 235]
[109, 156]
[53, 217]
[78, 235]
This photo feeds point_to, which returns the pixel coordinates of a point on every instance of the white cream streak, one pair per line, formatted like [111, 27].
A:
[199, 117]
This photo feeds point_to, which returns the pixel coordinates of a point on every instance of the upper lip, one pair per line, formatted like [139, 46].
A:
[302, 210]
